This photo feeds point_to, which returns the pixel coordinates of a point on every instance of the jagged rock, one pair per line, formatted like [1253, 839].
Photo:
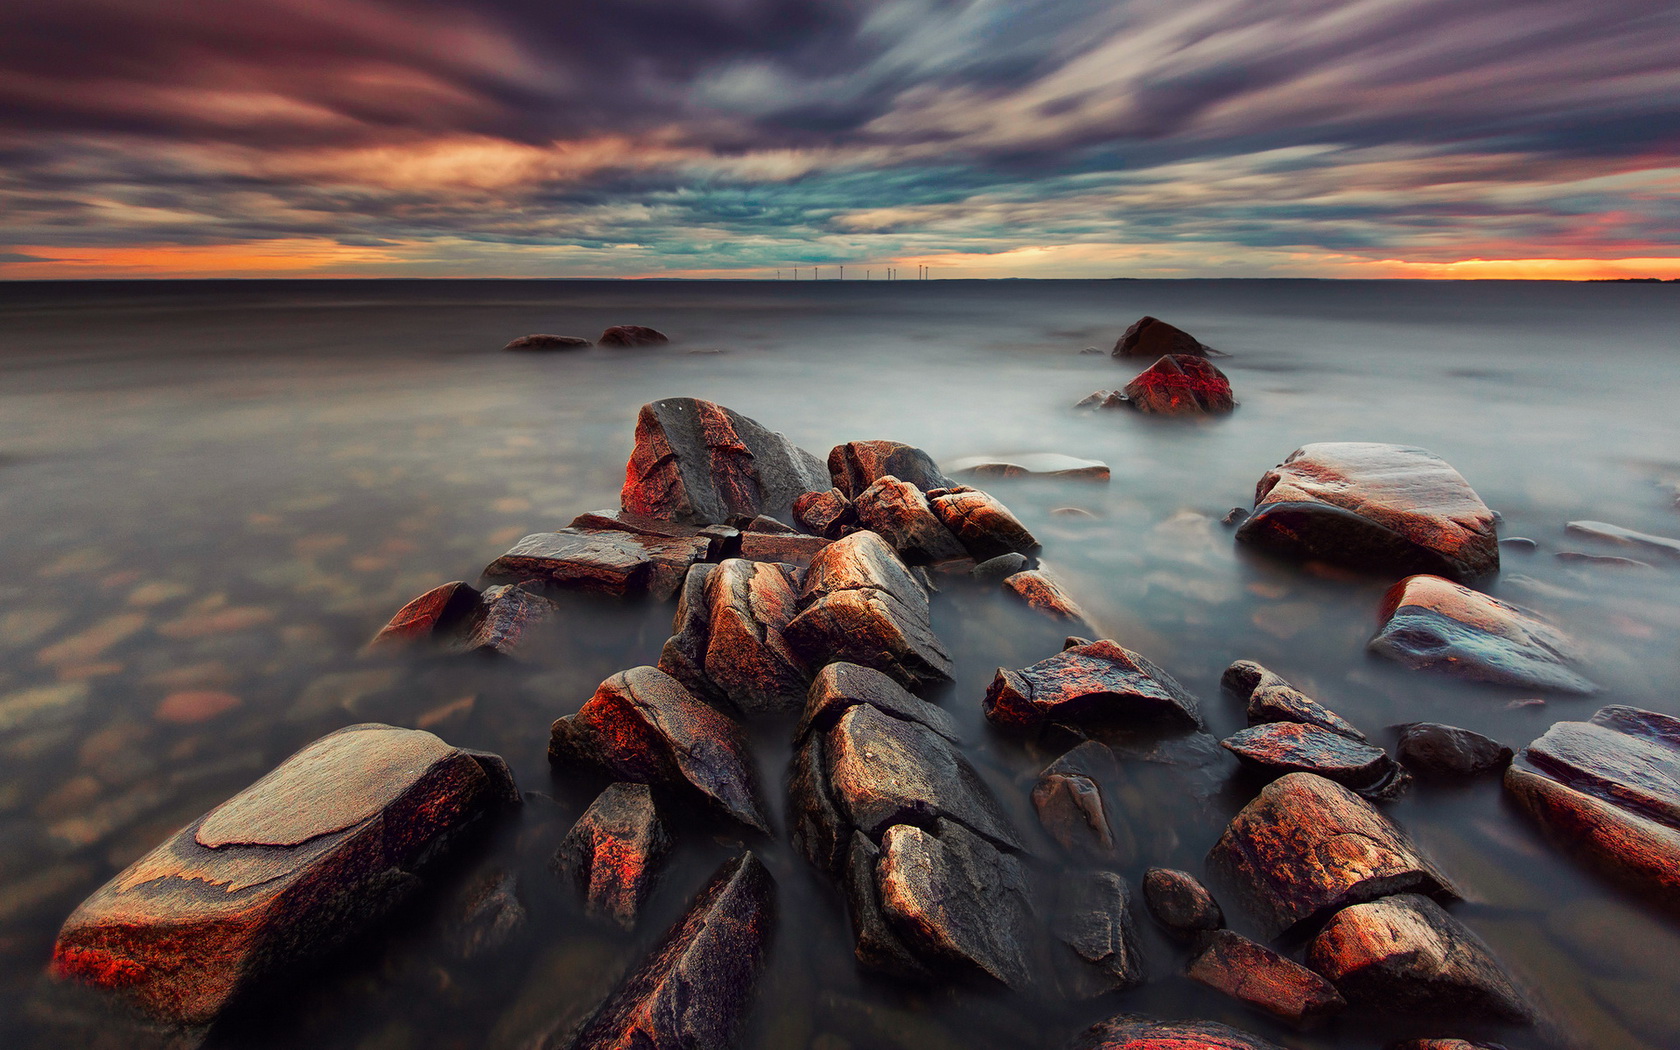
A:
[840, 686]
[1306, 847]
[1434, 624]
[456, 618]
[728, 644]
[1180, 902]
[1180, 384]
[1099, 684]
[613, 563]
[549, 342]
[829, 514]
[1131, 1032]
[692, 991]
[1032, 464]
[856, 465]
[1434, 750]
[1069, 801]
[781, 547]
[1254, 974]
[430, 618]
[699, 462]
[1372, 506]
[489, 916]
[982, 525]
[901, 514]
[1644, 541]
[1041, 591]
[1271, 699]
[1276, 748]
[632, 335]
[1404, 953]
[1000, 568]
[643, 727]
[1150, 337]
[614, 852]
[295, 864]
[1094, 918]
[1234, 516]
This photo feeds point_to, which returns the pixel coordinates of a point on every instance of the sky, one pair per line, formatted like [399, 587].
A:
[739, 138]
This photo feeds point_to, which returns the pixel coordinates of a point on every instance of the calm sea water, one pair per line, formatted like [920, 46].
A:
[226, 488]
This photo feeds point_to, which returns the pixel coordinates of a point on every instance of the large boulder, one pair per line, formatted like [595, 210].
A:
[1276, 748]
[598, 561]
[614, 852]
[1181, 385]
[856, 465]
[458, 618]
[1096, 684]
[728, 645]
[900, 513]
[1151, 338]
[1132, 1032]
[1376, 507]
[695, 461]
[1254, 974]
[294, 865]
[1269, 698]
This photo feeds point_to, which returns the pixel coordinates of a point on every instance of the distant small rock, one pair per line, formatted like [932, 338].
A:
[1092, 350]
[632, 335]
[1233, 517]
[1644, 541]
[1032, 464]
[540, 341]
[1152, 338]
[1519, 544]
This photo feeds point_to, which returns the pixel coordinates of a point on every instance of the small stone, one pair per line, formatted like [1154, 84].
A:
[196, 705]
[1072, 512]
[1435, 750]
[1041, 591]
[1101, 399]
[1519, 544]
[1000, 567]
[632, 335]
[1180, 902]
[1100, 684]
[1254, 974]
[1150, 337]
[548, 342]
[614, 852]
[856, 465]
[1035, 464]
[1181, 384]
[1609, 561]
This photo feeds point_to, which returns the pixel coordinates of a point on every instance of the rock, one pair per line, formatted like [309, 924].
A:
[1181, 384]
[1405, 954]
[862, 561]
[722, 541]
[1609, 561]
[430, 617]
[983, 525]
[902, 515]
[489, 916]
[1035, 464]
[1254, 974]
[1271, 699]
[1094, 918]
[1041, 591]
[840, 686]
[877, 945]
[297, 863]
[1092, 350]
[1435, 624]
[632, 335]
[1375, 507]
[1180, 902]
[1079, 513]
[1306, 847]
[699, 462]
[1099, 684]
[616, 564]
[548, 342]
[614, 853]
[1068, 798]
[693, 989]
[1102, 399]
[856, 465]
[643, 727]
[829, 514]
[1445, 1044]
[791, 549]
[1434, 750]
[1644, 541]
[1276, 748]
[1519, 544]
[1131, 1032]
[1151, 338]
[1001, 567]
[728, 643]
[192, 706]
[1234, 516]
[457, 618]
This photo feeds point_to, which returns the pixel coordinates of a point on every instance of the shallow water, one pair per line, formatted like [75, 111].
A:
[228, 487]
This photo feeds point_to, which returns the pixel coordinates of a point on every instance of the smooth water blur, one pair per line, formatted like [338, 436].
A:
[212, 494]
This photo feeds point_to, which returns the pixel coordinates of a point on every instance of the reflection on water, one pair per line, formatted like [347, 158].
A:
[211, 495]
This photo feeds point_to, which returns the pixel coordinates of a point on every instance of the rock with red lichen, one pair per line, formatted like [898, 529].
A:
[728, 646]
[984, 527]
[829, 514]
[1271, 699]
[1151, 338]
[1275, 748]
[643, 727]
[900, 513]
[1041, 591]
[612, 563]
[457, 618]
[1375, 507]
[614, 852]
[543, 341]
[1069, 801]
[856, 465]
[1305, 847]
[698, 462]
[294, 865]
[1180, 902]
[1178, 385]
[1094, 918]
[692, 991]
[632, 335]
[1132, 1032]
[1430, 623]
[1100, 685]
[428, 618]
[1254, 974]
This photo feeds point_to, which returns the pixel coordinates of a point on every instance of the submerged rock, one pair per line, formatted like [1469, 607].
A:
[1276, 748]
[1181, 384]
[1434, 750]
[632, 335]
[1643, 541]
[856, 465]
[1254, 974]
[1180, 902]
[1094, 919]
[1041, 591]
[729, 645]
[1098, 684]
[614, 852]
[1375, 507]
[1151, 338]
[1271, 699]
[1102, 399]
[612, 563]
[1434, 624]
[901, 514]
[488, 916]
[1033, 464]
[287, 869]
[548, 342]
[1132, 1032]
[1069, 801]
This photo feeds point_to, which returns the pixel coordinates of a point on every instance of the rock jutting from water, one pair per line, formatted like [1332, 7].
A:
[1435, 624]
[541, 341]
[1032, 464]
[1180, 902]
[1374, 507]
[1178, 385]
[1447, 752]
[1642, 541]
[984, 526]
[458, 618]
[1069, 801]
[614, 852]
[727, 646]
[1097, 684]
[1134, 1032]
[632, 335]
[900, 513]
[1153, 338]
[612, 563]
[1276, 748]
[1269, 698]
[289, 868]
[1253, 974]
[856, 465]
[1041, 591]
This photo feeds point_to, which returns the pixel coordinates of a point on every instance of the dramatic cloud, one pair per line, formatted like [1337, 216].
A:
[984, 137]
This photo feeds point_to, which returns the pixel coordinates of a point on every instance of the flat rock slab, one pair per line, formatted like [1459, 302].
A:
[698, 462]
[1253, 974]
[729, 645]
[1180, 902]
[1431, 749]
[1094, 919]
[1643, 541]
[1041, 591]
[840, 686]
[1306, 847]
[1132, 1032]
[693, 990]
[543, 341]
[1434, 624]
[856, 465]
[900, 513]
[643, 727]
[1276, 748]
[282, 872]
[1375, 507]
[612, 563]
[1151, 337]
[1098, 684]
[614, 852]
[1031, 464]
[1181, 385]
[984, 526]
[1406, 954]
[1269, 698]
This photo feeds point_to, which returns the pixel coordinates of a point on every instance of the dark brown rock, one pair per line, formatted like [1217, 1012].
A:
[1254, 974]
[632, 335]
[285, 870]
[1271, 699]
[1131, 1032]
[1100, 685]
[1276, 748]
[1375, 507]
[488, 916]
[693, 990]
[1306, 847]
[1435, 624]
[430, 618]
[1180, 902]
[699, 462]
[1150, 338]
[549, 342]
[1094, 919]
[783, 547]
[1434, 750]
[1069, 801]
[616, 564]
[643, 727]
[1405, 954]
[1041, 591]
[1445, 1044]
[829, 514]
[877, 944]
[615, 851]
[856, 465]
[722, 541]
[840, 686]
[728, 644]
[1179, 385]
[982, 525]
[900, 513]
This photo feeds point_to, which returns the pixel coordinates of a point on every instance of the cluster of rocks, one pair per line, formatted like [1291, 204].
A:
[1180, 382]
[618, 335]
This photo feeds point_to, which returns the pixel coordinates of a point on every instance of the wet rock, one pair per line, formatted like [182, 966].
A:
[695, 461]
[615, 851]
[1434, 624]
[548, 342]
[1643, 541]
[1234, 516]
[693, 990]
[457, 618]
[643, 727]
[1376, 507]
[1445, 1044]
[829, 514]
[632, 335]
[1404, 953]
[1609, 561]
[877, 944]
[430, 617]
[982, 525]
[840, 686]
[287, 869]
[1276, 748]
[1001, 567]
[1131, 1032]
[728, 644]
[900, 513]
[1180, 902]
[1079, 513]
[489, 916]
[857, 465]
[1094, 918]
[1041, 591]
[1272, 699]
[1069, 801]
[1306, 847]
[1098, 685]
[1520, 544]
[1102, 399]
[1151, 338]
[616, 564]
[1181, 384]
[1254, 974]
[1434, 750]
[1035, 464]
